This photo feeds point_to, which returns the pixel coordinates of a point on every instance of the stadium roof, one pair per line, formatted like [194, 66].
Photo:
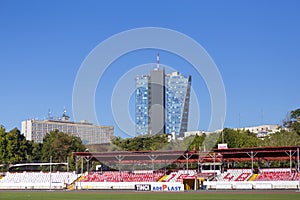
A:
[149, 156]
[284, 153]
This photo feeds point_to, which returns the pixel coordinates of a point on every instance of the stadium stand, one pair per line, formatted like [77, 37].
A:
[124, 176]
[279, 174]
[235, 175]
[276, 174]
[211, 177]
[296, 176]
[266, 179]
[37, 180]
[207, 175]
[179, 175]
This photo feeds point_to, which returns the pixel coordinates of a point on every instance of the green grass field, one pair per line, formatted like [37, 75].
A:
[91, 195]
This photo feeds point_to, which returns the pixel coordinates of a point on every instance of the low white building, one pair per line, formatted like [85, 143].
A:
[193, 133]
[35, 130]
[262, 130]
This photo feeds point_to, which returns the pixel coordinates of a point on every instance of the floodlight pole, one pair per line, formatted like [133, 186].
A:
[68, 164]
[77, 159]
[290, 154]
[119, 158]
[199, 162]
[153, 158]
[87, 159]
[252, 155]
[214, 159]
[50, 170]
[187, 157]
[81, 165]
[298, 161]
[298, 168]
[214, 164]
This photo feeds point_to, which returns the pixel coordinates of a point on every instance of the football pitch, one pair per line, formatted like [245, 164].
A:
[119, 195]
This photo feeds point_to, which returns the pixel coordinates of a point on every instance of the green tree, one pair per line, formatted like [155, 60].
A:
[158, 141]
[35, 151]
[240, 138]
[283, 138]
[196, 143]
[3, 144]
[293, 121]
[145, 142]
[13, 146]
[60, 146]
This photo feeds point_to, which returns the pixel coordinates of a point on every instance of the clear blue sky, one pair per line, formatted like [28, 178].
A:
[255, 45]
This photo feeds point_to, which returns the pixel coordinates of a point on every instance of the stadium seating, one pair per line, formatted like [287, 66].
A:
[276, 175]
[296, 176]
[232, 178]
[235, 175]
[178, 176]
[124, 176]
[39, 177]
[206, 175]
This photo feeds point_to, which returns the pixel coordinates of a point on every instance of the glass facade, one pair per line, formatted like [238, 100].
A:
[141, 105]
[176, 102]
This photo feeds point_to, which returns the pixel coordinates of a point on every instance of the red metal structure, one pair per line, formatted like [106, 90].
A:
[284, 153]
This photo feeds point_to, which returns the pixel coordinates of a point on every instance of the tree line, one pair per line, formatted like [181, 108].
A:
[233, 138]
[14, 148]
[288, 135]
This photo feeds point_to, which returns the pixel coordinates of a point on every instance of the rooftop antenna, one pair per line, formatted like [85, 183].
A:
[222, 131]
[65, 117]
[262, 116]
[239, 120]
[65, 110]
[49, 114]
[157, 59]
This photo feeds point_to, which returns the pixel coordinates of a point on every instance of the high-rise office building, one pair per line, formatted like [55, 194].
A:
[177, 102]
[162, 102]
[157, 101]
[142, 104]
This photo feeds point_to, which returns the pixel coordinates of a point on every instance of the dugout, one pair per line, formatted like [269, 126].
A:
[192, 183]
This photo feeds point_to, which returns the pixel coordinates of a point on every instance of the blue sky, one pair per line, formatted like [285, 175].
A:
[255, 45]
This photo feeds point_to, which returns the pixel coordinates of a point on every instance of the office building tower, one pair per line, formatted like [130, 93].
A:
[162, 102]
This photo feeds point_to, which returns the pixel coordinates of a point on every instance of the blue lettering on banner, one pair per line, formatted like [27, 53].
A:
[166, 188]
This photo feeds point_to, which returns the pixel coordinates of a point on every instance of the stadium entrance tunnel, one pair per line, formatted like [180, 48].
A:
[192, 183]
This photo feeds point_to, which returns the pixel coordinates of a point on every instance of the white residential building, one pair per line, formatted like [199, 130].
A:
[262, 130]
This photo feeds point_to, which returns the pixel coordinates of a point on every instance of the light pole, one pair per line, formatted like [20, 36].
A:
[119, 158]
[187, 157]
[68, 164]
[153, 158]
[87, 159]
[214, 160]
[81, 165]
[50, 170]
[252, 155]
